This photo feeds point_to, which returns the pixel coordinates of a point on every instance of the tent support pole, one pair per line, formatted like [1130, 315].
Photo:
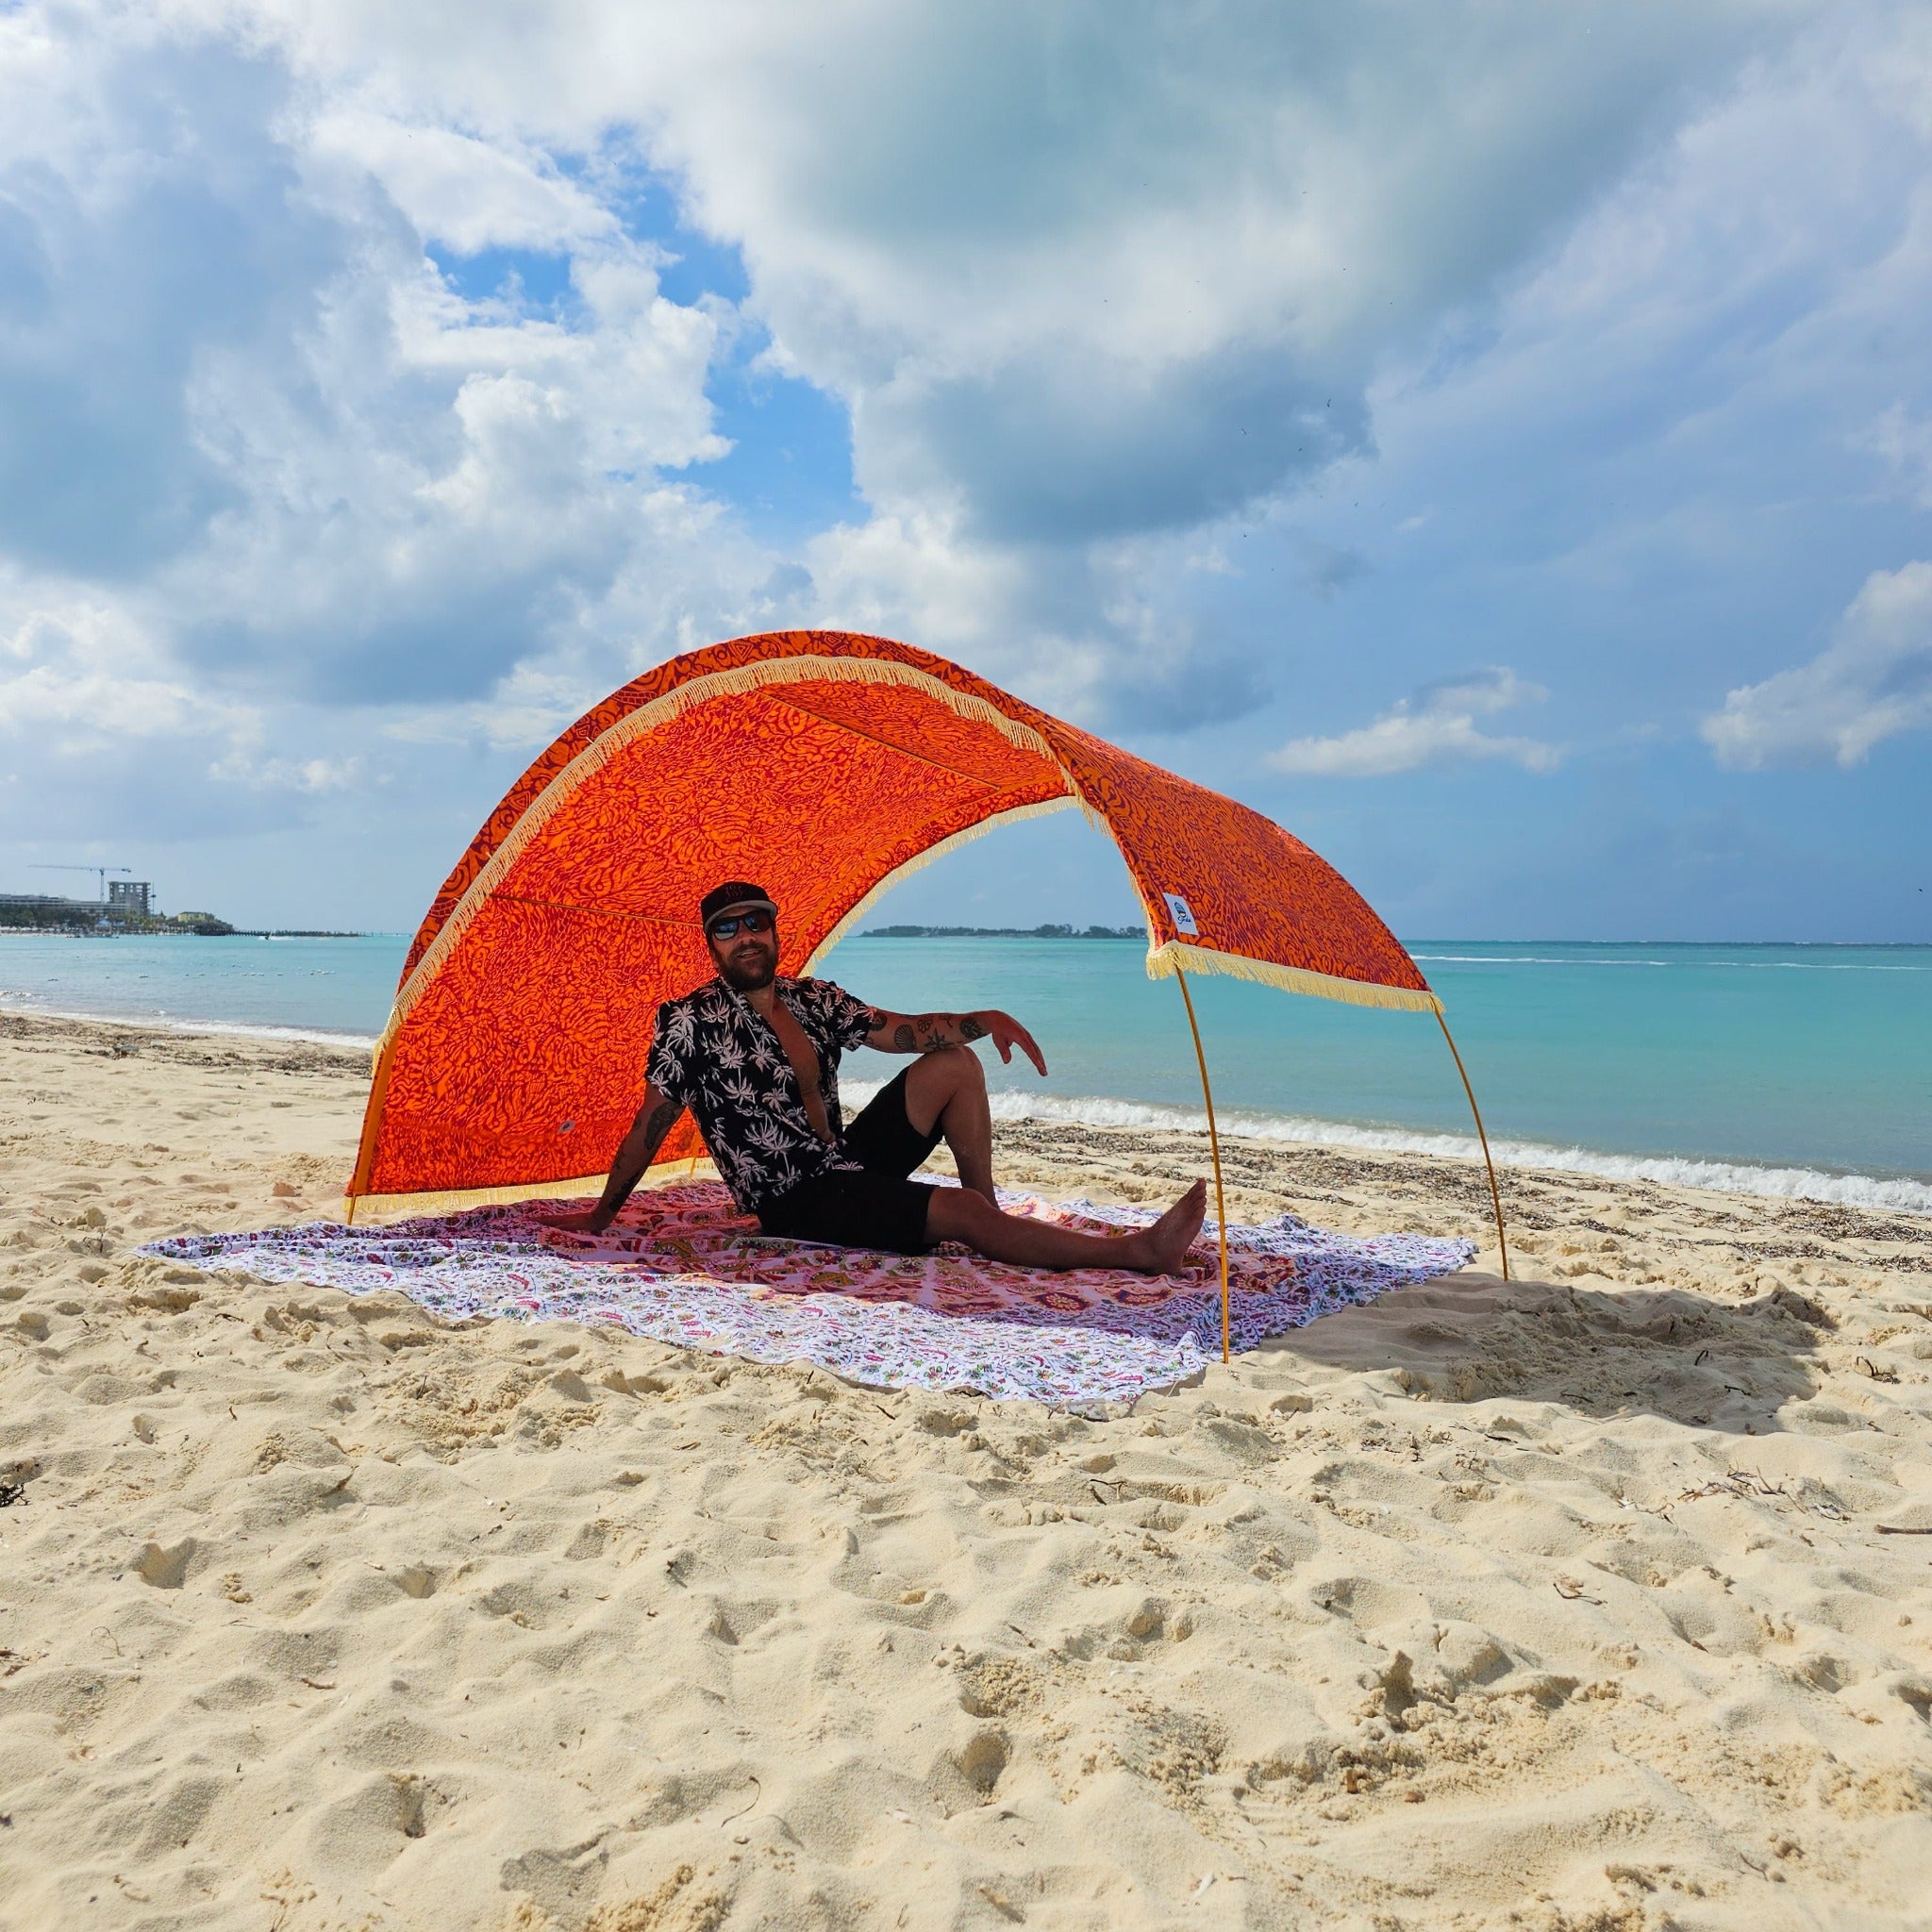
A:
[1214, 1149]
[1495, 1198]
[348, 1210]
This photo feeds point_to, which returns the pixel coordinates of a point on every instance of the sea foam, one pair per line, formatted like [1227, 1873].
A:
[168, 1023]
[1893, 1194]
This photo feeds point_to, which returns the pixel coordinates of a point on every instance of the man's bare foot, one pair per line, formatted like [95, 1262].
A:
[1170, 1237]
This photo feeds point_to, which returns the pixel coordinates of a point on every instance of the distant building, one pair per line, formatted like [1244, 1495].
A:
[42, 911]
[128, 909]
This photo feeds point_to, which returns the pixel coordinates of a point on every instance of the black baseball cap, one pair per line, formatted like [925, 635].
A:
[734, 895]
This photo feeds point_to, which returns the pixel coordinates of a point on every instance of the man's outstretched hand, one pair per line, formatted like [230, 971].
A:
[582, 1221]
[1006, 1033]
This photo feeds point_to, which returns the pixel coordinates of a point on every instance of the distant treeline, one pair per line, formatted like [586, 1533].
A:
[87, 922]
[1004, 932]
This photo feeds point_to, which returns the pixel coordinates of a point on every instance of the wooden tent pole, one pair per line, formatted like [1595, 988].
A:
[1495, 1198]
[1214, 1149]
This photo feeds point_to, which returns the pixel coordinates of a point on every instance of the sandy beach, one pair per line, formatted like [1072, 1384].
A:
[1600, 1598]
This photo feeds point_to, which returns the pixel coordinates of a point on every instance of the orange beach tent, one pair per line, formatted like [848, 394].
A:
[827, 766]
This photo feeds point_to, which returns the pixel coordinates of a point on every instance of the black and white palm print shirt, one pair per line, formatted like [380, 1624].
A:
[717, 1055]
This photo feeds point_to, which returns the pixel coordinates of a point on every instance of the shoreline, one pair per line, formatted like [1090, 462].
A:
[168, 1023]
[1902, 1194]
[1884, 1193]
[1138, 1161]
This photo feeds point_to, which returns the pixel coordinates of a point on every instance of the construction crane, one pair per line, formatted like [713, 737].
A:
[102, 870]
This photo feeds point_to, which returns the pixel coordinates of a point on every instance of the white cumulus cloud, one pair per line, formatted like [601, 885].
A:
[249, 413]
[466, 192]
[1437, 726]
[1085, 270]
[1081, 277]
[1871, 682]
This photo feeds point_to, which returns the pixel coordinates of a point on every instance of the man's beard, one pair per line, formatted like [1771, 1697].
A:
[751, 977]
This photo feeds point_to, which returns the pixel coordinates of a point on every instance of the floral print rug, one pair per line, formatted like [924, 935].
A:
[682, 1265]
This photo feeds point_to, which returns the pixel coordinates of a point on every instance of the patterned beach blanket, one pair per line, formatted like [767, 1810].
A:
[682, 1265]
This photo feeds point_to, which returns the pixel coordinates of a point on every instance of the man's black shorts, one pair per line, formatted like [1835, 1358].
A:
[877, 1208]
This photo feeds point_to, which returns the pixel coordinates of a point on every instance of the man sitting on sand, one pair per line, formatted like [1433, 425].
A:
[755, 1059]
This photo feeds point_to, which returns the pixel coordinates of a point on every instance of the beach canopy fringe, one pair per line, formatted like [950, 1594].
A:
[826, 765]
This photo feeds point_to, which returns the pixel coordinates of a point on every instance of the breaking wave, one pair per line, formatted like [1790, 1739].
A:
[1893, 1194]
[167, 1023]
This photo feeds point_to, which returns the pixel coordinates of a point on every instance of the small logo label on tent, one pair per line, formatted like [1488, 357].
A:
[1183, 914]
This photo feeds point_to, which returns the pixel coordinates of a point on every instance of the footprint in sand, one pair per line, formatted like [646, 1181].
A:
[166, 1569]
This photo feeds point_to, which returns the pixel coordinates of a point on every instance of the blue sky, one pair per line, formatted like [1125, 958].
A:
[1497, 440]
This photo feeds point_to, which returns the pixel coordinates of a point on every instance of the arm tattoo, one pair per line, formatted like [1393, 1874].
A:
[663, 1117]
[625, 1175]
[931, 1032]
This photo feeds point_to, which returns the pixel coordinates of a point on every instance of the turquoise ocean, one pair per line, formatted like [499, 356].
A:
[1802, 1071]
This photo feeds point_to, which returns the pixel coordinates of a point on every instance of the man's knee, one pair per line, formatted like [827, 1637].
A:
[962, 1212]
[954, 1068]
[935, 1081]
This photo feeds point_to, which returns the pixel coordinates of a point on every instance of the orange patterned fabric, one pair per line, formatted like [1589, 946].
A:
[820, 763]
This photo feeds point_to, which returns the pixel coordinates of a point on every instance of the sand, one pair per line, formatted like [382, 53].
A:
[1583, 1601]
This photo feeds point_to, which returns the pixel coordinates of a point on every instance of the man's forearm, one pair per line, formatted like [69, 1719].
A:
[935, 1032]
[634, 1156]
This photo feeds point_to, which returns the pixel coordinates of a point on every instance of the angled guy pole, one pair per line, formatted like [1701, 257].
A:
[1214, 1149]
[1495, 1198]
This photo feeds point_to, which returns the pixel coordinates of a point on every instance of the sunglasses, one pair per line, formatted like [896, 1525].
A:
[747, 922]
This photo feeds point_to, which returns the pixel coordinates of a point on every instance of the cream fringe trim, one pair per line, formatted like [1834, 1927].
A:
[452, 1200]
[1162, 962]
[1039, 811]
[648, 718]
